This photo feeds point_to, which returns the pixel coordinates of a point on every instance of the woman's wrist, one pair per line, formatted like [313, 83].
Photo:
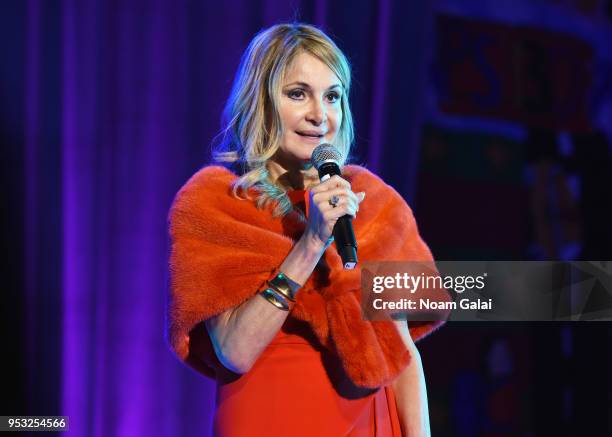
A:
[303, 259]
[313, 243]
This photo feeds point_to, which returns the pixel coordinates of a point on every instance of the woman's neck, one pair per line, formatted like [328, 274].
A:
[292, 177]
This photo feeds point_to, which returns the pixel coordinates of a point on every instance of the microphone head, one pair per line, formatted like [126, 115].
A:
[325, 153]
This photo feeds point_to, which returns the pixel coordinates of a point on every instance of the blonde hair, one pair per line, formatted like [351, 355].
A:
[252, 127]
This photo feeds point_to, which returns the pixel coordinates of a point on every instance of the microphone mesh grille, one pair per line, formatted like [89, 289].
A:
[323, 153]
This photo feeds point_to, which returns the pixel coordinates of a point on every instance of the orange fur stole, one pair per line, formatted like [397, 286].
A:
[223, 249]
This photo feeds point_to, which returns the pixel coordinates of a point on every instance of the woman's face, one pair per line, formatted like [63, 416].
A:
[310, 110]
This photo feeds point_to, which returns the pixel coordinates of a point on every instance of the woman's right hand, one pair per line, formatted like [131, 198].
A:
[322, 215]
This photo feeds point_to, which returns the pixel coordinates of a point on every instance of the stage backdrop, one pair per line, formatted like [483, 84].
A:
[120, 101]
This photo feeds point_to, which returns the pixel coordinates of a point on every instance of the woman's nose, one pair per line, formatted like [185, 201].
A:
[316, 114]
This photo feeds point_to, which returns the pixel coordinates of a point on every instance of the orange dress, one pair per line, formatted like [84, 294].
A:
[297, 388]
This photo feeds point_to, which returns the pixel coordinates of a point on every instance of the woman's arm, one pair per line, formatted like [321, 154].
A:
[411, 392]
[239, 335]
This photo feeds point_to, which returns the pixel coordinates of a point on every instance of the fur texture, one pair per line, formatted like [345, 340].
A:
[223, 250]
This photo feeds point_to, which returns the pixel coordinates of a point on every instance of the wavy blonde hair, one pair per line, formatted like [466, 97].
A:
[251, 125]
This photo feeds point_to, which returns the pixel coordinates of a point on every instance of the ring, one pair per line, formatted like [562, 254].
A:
[333, 200]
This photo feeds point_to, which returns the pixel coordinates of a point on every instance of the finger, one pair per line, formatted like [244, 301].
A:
[351, 203]
[337, 181]
[333, 214]
[341, 182]
[324, 204]
[342, 193]
[331, 183]
[351, 198]
[327, 208]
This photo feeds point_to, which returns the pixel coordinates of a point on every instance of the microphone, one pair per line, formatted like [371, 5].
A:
[326, 159]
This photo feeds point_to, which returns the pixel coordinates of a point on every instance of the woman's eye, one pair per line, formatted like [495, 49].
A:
[333, 97]
[299, 95]
[296, 94]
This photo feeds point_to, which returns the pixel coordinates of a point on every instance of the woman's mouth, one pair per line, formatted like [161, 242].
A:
[310, 136]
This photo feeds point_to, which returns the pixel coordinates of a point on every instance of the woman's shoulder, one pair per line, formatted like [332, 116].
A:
[210, 183]
[358, 171]
[362, 179]
[210, 176]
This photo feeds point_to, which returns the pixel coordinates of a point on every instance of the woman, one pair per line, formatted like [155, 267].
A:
[258, 298]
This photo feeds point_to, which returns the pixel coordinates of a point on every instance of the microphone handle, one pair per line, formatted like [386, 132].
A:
[344, 237]
[346, 244]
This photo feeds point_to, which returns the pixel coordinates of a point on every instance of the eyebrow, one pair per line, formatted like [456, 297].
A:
[305, 85]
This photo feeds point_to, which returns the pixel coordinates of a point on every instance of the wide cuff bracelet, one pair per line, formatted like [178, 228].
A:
[275, 298]
[283, 285]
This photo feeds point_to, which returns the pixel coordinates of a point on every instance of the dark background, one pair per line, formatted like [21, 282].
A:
[493, 119]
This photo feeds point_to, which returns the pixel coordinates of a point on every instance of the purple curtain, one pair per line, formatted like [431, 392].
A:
[120, 102]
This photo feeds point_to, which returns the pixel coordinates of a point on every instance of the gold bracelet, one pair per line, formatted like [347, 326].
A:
[282, 284]
[275, 299]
